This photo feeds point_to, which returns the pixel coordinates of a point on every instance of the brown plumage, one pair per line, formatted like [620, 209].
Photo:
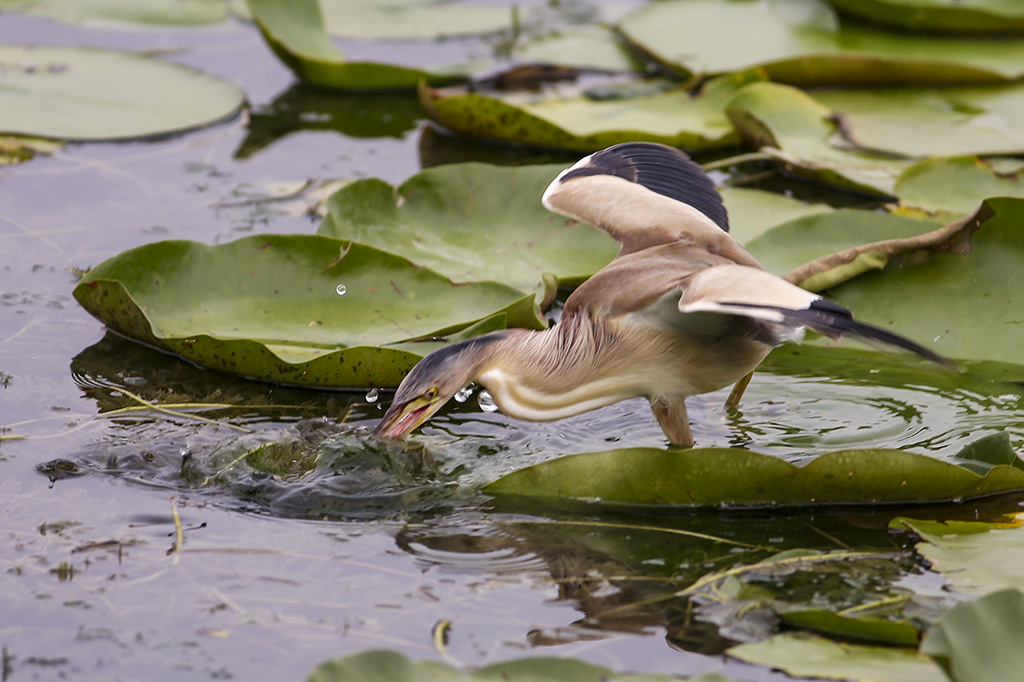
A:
[683, 309]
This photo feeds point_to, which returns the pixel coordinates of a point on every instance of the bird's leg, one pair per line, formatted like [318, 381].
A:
[671, 416]
[733, 401]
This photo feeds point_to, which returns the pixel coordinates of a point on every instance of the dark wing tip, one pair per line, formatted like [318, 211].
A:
[660, 168]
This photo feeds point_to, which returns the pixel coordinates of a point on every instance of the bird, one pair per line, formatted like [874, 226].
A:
[683, 309]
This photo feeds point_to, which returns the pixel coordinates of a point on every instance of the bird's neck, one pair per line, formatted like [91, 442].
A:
[557, 373]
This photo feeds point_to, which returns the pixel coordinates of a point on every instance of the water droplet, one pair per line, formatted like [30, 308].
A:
[462, 395]
[341, 289]
[486, 401]
[372, 395]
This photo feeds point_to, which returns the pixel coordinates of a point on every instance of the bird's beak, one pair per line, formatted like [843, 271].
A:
[401, 418]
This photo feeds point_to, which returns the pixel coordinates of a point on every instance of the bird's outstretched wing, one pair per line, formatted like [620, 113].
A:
[643, 195]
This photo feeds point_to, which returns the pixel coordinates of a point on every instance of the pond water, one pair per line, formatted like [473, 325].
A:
[320, 543]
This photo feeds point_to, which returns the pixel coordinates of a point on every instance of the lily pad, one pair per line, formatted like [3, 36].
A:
[294, 309]
[920, 122]
[734, 477]
[966, 298]
[803, 135]
[753, 211]
[958, 184]
[803, 655]
[982, 640]
[592, 47]
[674, 118]
[417, 20]
[472, 222]
[804, 42]
[391, 666]
[787, 246]
[78, 93]
[977, 16]
[180, 12]
[294, 30]
[973, 557]
[847, 628]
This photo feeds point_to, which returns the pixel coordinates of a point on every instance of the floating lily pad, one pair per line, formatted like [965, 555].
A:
[847, 628]
[804, 42]
[931, 122]
[391, 666]
[958, 184]
[787, 246]
[802, 134]
[77, 93]
[591, 47]
[729, 476]
[294, 30]
[418, 20]
[295, 309]
[179, 12]
[981, 641]
[977, 16]
[754, 211]
[966, 299]
[472, 222]
[973, 557]
[803, 655]
[675, 118]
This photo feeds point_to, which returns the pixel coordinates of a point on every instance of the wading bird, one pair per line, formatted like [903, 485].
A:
[683, 309]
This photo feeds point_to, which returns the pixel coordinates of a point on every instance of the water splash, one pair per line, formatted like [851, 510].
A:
[486, 401]
[341, 289]
[372, 395]
[463, 394]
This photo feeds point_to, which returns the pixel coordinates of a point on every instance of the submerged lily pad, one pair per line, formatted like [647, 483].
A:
[294, 309]
[804, 42]
[294, 30]
[734, 477]
[78, 93]
[472, 222]
[977, 16]
[675, 118]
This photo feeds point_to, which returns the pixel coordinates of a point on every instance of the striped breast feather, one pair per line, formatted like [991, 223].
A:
[660, 168]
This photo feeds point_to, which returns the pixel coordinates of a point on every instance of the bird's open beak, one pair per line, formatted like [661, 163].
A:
[400, 419]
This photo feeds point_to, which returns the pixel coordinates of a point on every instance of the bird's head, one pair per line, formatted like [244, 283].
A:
[433, 382]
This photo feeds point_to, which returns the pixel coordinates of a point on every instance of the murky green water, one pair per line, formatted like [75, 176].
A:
[302, 540]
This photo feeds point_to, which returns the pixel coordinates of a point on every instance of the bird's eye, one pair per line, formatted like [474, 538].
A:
[430, 394]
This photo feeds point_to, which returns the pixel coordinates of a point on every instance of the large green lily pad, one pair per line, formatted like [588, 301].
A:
[294, 30]
[804, 42]
[931, 122]
[982, 640]
[967, 299]
[675, 118]
[269, 307]
[753, 211]
[472, 222]
[734, 477]
[976, 16]
[787, 246]
[958, 184]
[77, 93]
